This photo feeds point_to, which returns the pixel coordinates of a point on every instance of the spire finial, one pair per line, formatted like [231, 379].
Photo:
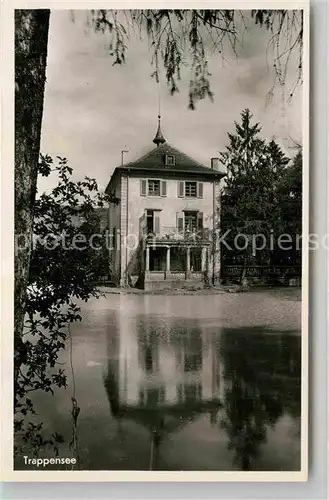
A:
[159, 139]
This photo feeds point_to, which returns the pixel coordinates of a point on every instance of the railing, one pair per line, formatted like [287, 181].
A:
[173, 233]
[235, 271]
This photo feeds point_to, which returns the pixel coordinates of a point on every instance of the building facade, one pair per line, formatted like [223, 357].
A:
[163, 228]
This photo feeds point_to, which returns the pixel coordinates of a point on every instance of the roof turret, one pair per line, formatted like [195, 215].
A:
[159, 139]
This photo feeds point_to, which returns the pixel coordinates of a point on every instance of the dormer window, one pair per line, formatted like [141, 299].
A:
[170, 160]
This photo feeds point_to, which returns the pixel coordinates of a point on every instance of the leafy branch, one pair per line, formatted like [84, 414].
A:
[59, 275]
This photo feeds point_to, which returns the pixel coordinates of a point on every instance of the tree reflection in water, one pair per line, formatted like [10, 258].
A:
[262, 374]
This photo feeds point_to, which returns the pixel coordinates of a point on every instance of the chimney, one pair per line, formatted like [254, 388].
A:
[218, 166]
[215, 164]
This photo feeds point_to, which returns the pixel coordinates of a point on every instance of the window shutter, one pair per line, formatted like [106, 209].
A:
[156, 224]
[143, 187]
[180, 221]
[200, 220]
[163, 188]
[180, 189]
[142, 224]
[200, 189]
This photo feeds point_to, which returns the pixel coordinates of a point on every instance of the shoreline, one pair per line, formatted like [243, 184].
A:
[216, 290]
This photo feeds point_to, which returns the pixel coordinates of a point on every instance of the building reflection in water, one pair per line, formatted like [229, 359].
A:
[163, 373]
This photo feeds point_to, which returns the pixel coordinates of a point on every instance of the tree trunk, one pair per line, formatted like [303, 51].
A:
[31, 40]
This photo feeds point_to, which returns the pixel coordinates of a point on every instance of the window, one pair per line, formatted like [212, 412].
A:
[191, 221]
[149, 221]
[154, 187]
[190, 189]
[152, 221]
[170, 160]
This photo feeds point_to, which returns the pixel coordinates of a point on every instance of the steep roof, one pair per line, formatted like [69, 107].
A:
[155, 161]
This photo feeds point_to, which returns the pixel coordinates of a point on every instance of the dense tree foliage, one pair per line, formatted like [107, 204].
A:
[261, 200]
[66, 262]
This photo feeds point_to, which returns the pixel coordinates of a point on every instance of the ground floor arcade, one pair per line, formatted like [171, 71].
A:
[170, 265]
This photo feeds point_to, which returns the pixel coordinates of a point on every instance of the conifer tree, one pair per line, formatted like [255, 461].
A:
[251, 197]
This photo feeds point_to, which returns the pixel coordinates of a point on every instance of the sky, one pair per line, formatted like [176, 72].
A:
[93, 110]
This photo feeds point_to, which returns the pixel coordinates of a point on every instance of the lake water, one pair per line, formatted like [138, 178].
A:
[200, 382]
